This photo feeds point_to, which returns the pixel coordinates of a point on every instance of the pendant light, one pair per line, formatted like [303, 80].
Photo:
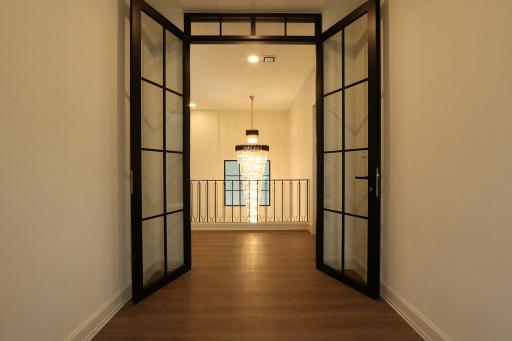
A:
[252, 158]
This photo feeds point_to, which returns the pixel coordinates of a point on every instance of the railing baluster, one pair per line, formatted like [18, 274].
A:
[239, 201]
[267, 203]
[257, 201]
[274, 202]
[292, 209]
[215, 200]
[300, 217]
[290, 203]
[282, 200]
[307, 199]
[199, 197]
[191, 189]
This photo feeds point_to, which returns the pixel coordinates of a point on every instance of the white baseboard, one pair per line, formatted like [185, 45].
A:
[249, 227]
[93, 324]
[419, 322]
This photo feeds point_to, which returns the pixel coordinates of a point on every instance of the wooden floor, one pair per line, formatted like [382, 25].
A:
[256, 286]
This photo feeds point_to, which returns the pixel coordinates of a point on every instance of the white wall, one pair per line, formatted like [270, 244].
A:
[214, 134]
[446, 160]
[64, 179]
[447, 164]
[64, 194]
[302, 130]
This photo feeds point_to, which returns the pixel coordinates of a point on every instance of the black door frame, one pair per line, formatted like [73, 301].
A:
[283, 18]
[138, 290]
[372, 8]
[372, 289]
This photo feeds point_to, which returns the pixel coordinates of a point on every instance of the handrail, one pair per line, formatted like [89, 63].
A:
[222, 201]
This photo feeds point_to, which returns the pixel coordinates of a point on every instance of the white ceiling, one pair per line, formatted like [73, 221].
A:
[223, 79]
[252, 5]
[333, 10]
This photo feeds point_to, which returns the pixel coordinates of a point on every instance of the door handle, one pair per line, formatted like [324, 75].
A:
[361, 178]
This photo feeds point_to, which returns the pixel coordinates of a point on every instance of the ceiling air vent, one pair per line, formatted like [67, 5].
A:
[269, 59]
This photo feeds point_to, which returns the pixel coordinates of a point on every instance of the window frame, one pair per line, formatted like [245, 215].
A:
[268, 203]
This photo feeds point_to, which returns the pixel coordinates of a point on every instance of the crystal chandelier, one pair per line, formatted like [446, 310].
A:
[252, 158]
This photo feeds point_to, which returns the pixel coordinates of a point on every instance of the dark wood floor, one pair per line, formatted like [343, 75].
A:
[256, 286]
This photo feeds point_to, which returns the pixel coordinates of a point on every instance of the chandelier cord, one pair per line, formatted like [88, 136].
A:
[252, 112]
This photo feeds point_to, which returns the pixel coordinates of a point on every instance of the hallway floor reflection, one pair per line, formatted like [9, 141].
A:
[256, 285]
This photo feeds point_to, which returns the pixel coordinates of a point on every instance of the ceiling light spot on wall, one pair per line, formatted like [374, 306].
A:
[192, 105]
[253, 59]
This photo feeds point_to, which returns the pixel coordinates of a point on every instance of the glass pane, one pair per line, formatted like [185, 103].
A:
[174, 179]
[332, 63]
[238, 198]
[152, 184]
[229, 184]
[356, 190]
[265, 185]
[152, 250]
[151, 125]
[332, 239]
[233, 183]
[236, 28]
[334, 11]
[205, 28]
[356, 116]
[300, 29]
[270, 27]
[356, 251]
[175, 252]
[264, 198]
[228, 195]
[356, 50]
[333, 181]
[152, 49]
[174, 122]
[333, 124]
[173, 62]
[231, 168]
[234, 197]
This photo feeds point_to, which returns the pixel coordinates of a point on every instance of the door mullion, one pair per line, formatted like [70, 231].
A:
[135, 148]
[343, 147]
[164, 144]
[374, 145]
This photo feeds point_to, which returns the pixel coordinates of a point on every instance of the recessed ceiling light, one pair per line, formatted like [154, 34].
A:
[192, 105]
[253, 59]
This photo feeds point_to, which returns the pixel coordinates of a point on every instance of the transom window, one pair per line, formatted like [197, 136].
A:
[233, 186]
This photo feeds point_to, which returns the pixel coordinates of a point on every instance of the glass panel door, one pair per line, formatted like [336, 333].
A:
[348, 230]
[159, 151]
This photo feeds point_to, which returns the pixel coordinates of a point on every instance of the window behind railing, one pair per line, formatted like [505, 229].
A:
[233, 187]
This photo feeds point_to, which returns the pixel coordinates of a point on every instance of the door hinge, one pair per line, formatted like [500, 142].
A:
[131, 181]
